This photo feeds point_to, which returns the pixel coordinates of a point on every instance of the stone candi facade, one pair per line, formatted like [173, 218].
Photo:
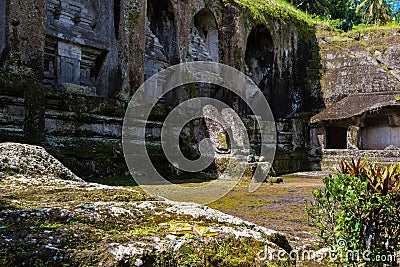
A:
[69, 68]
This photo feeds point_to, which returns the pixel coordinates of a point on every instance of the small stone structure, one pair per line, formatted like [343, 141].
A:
[77, 46]
[361, 88]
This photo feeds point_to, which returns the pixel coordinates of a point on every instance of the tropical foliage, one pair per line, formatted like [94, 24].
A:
[344, 14]
[375, 11]
[359, 211]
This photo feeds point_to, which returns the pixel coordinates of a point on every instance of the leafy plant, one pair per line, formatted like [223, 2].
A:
[375, 11]
[360, 205]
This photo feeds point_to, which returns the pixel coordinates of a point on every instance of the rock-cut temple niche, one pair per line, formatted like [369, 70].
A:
[381, 132]
[161, 39]
[73, 53]
[204, 37]
[259, 59]
[204, 46]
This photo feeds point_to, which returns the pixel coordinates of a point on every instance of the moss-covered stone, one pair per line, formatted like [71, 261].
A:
[88, 158]
[85, 104]
[14, 84]
[133, 16]
[79, 224]
[261, 12]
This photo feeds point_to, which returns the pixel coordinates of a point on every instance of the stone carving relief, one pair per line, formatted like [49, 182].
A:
[156, 59]
[204, 37]
[204, 46]
[68, 64]
[260, 58]
[198, 50]
[161, 47]
[67, 13]
[73, 51]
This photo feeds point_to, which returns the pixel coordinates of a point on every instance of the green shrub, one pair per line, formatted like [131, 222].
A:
[359, 211]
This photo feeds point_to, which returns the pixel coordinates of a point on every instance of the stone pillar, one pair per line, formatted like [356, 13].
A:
[132, 43]
[35, 108]
[353, 137]
[2, 27]
[26, 26]
[299, 135]
[317, 139]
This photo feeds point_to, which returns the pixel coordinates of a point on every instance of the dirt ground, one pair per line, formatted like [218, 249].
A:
[276, 206]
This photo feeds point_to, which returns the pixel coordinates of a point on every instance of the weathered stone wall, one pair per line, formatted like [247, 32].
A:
[361, 62]
[22, 102]
[332, 157]
[25, 27]
[75, 48]
[87, 58]
[2, 27]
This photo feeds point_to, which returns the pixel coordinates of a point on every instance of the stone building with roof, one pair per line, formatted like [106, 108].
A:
[361, 89]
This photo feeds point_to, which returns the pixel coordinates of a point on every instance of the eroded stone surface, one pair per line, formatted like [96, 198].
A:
[44, 219]
[31, 161]
[360, 63]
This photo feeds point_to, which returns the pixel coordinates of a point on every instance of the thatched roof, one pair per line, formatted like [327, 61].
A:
[356, 105]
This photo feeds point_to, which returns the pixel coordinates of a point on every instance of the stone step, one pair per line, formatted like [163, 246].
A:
[332, 157]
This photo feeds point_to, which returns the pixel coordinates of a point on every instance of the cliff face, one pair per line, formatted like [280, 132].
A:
[359, 62]
[70, 67]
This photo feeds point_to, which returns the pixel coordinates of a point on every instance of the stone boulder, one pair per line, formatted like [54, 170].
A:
[32, 161]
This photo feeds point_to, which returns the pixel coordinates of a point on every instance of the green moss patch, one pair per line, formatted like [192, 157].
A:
[51, 222]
